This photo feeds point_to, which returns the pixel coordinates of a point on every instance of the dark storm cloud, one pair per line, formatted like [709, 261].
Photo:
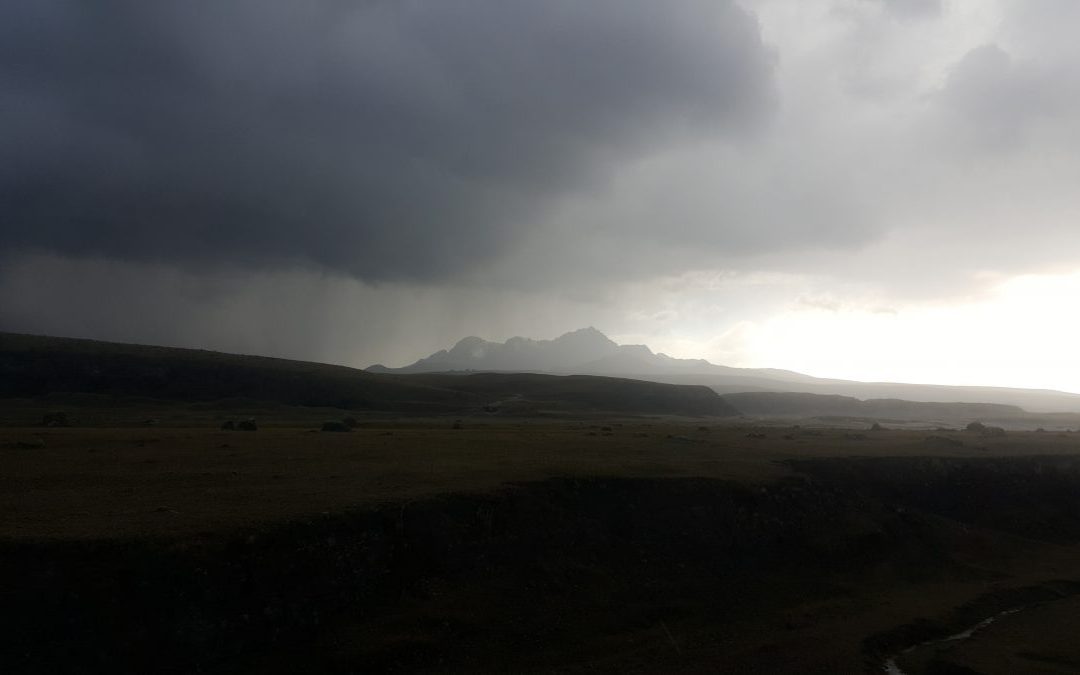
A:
[388, 140]
[986, 92]
[997, 98]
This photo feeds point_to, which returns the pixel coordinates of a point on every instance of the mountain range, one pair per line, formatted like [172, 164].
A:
[586, 351]
[589, 352]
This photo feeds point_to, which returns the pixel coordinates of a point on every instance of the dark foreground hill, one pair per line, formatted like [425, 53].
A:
[33, 366]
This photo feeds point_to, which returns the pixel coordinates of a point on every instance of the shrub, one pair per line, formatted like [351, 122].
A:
[55, 419]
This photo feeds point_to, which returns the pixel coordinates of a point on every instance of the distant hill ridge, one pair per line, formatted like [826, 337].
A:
[799, 404]
[589, 352]
[33, 366]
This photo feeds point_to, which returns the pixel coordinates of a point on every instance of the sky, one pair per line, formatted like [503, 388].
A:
[863, 189]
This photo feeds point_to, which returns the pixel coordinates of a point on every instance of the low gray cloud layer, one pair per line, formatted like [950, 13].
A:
[386, 139]
[909, 9]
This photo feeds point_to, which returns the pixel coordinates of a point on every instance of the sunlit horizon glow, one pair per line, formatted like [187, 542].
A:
[1022, 333]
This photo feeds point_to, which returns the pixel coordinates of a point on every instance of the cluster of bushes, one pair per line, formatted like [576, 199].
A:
[984, 430]
[243, 425]
[55, 419]
[345, 424]
[943, 441]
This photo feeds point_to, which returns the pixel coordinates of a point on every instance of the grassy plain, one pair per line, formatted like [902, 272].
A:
[555, 544]
[184, 475]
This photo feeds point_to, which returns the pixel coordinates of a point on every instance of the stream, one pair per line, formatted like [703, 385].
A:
[891, 667]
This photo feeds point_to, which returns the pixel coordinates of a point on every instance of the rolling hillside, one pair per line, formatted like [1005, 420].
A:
[32, 366]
